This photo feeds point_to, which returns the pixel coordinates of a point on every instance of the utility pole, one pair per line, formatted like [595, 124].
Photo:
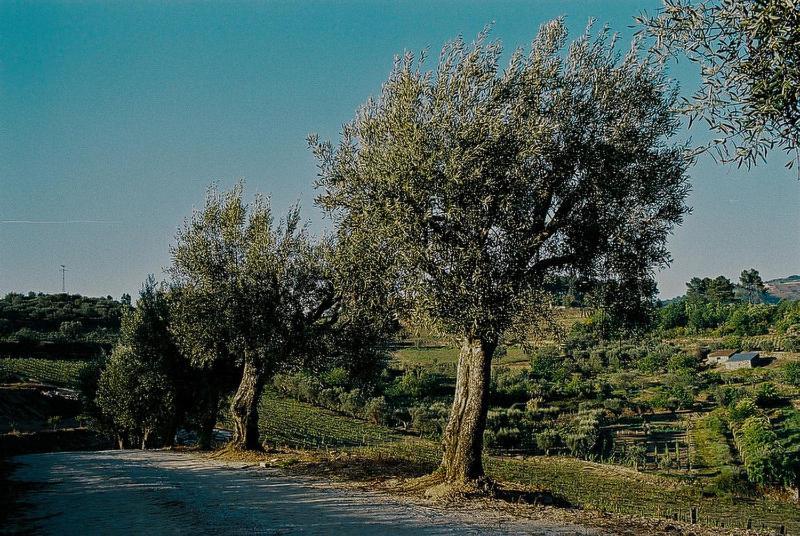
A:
[63, 279]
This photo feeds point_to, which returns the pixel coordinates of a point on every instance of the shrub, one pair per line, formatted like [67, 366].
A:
[375, 410]
[763, 457]
[742, 410]
[510, 387]
[730, 482]
[791, 373]
[634, 455]
[429, 421]
[657, 358]
[731, 341]
[547, 440]
[26, 335]
[337, 377]
[791, 344]
[726, 395]
[351, 402]
[548, 364]
[614, 405]
[582, 438]
[766, 345]
[329, 397]
[767, 395]
[682, 361]
[71, 329]
[507, 438]
[414, 384]
[580, 337]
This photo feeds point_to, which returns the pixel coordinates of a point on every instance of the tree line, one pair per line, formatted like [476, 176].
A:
[59, 317]
[248, 297]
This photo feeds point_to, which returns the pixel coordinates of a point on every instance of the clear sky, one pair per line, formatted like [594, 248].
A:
[115, 117]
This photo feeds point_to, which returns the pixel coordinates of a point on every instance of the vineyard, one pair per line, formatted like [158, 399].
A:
[287, 422]
[57, 372]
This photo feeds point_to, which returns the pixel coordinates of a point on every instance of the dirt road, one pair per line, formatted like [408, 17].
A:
[158, 492]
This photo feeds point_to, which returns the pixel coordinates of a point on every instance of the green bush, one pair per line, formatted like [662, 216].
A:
[742, 409]
[767, 396]
[763, 457]
[417, 383]
[727, 395]
[634, 455]
[337, 377]
[682, 361]
[429, 421]
[791, 373]
[547, 440]
[376, 410]
[657, 358]
[509, 387]
[548, 364]
[730, 482]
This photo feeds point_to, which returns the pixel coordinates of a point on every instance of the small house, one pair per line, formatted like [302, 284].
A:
[742, 360]
[719, 356]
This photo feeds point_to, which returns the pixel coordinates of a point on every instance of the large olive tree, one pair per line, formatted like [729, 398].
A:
[475, 183]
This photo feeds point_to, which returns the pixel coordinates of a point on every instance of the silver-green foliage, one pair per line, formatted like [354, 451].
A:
[473, 182]
[136, 392]
[748, 52]
[241, 280]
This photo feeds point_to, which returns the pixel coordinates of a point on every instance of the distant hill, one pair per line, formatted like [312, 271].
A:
[787, 288]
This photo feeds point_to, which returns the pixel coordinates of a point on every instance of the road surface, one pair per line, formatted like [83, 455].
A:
[161, 492]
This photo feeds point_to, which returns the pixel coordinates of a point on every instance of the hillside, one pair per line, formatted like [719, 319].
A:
[787, 288]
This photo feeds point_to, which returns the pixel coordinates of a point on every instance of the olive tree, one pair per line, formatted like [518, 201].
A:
[140, 392]
[249, 289]
[474, 184]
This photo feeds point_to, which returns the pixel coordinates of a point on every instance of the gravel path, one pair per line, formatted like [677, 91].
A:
[160, 492]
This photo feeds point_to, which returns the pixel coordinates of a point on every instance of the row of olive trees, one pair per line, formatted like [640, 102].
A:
[248, 297]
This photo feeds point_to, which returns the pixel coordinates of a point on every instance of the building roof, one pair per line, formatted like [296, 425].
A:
[744, 356]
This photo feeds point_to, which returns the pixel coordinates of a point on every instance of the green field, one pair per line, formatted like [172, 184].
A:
[287, 422]
[57, 372]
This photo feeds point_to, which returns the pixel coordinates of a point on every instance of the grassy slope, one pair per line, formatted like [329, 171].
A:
[591, 485]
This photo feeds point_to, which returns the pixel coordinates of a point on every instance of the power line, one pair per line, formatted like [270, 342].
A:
[63, 279]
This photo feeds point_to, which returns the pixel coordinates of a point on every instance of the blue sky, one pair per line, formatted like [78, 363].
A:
[115, 117]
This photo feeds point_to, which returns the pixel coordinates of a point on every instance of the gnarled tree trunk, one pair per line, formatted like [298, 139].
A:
[244, 407]
[462, 444]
